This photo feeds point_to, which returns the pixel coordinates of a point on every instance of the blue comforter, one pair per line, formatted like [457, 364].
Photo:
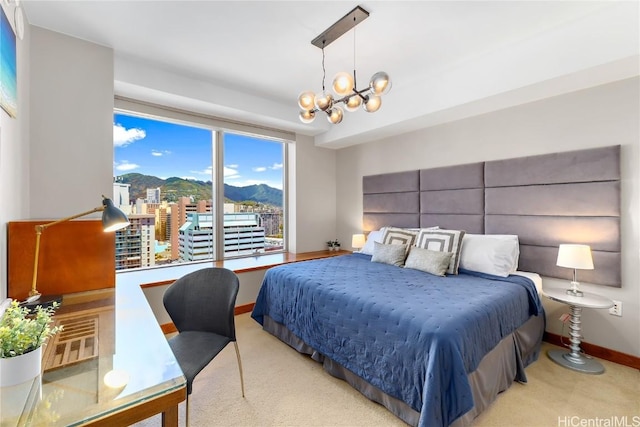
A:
[413, 335]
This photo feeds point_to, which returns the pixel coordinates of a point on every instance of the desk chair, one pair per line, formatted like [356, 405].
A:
[201, 306]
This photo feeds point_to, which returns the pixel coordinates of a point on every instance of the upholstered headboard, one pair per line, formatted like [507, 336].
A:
[571, 197]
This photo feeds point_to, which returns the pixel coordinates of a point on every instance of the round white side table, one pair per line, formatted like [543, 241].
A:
[574, 359]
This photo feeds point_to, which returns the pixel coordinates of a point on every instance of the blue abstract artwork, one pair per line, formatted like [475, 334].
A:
[8, 86]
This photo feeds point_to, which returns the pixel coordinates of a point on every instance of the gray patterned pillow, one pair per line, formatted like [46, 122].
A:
[434, 262]
[389, 254]
[443, 241]
[399, 236]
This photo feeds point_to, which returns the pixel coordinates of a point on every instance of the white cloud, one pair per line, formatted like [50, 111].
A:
[206, 172]
[123, 137]
[230, 171]
[157, 153]
[276, 166]
[259, 169]
[125, 166]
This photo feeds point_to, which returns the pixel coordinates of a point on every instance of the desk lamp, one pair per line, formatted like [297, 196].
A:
[576, 257]
[112, 219]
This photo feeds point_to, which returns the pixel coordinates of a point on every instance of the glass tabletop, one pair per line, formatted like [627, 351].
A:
[110, 356]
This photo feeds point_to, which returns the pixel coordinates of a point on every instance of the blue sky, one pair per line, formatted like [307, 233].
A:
[165, 149]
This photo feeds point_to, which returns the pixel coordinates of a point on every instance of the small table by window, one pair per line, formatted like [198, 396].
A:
[574, 359]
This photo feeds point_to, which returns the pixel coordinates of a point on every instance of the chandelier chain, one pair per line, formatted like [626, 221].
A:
[324, 72]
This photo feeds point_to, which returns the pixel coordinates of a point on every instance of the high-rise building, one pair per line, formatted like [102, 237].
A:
[121, 197]
[135, 244]
[242, 236]
[153, 195]
[196, 237]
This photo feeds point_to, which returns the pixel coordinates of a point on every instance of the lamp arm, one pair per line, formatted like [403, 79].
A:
[39, 229]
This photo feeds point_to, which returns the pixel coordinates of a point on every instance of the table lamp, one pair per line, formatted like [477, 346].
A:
[357, 241]
[577, 257]
[112, 219]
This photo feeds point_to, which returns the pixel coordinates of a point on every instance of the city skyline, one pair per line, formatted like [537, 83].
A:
[153, 147]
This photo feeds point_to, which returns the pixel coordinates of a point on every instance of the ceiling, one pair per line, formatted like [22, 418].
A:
[447, 59]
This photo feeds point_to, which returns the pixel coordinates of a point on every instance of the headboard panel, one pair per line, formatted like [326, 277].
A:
[571, 197]
[453, 197]
[392, 198]
[559, 198]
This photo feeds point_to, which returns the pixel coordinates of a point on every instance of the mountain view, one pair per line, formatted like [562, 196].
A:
[173, 188]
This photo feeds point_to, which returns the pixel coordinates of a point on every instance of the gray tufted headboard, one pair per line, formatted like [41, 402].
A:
[570, 197]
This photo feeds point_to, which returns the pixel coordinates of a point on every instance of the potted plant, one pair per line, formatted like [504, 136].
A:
[22, 334]
[333, 245]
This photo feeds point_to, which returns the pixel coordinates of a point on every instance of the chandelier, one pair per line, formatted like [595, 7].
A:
[344, 84]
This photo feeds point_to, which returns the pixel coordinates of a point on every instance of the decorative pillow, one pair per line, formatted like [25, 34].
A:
[374, 236]
[399, 236]
[389, 254]
[433, 262]
[443, 241]
[495, 254]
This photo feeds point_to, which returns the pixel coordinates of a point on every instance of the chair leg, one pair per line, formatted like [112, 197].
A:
[235, 343]
[187, 412]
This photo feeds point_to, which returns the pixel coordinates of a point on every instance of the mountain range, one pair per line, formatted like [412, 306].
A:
[171, 189]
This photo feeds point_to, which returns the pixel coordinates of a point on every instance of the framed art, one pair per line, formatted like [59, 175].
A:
[8, 67]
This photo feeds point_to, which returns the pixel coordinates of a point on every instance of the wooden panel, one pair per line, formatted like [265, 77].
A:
[75, 256]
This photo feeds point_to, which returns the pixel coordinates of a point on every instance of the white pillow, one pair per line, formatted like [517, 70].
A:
[372, 238]
[495, 254]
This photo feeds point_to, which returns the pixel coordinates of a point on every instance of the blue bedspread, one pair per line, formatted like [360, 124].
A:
[413, 335]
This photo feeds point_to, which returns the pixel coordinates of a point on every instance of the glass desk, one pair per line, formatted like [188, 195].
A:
[110, 366]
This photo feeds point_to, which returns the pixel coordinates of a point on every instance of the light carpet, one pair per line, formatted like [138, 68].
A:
[285, 388]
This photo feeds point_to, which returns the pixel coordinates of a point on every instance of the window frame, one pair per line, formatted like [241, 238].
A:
[218, 127]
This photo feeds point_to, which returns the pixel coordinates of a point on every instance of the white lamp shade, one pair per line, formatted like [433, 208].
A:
[357, 241]
[575, 256]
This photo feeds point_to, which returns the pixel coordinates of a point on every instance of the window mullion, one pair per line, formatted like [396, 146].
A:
[218, 194]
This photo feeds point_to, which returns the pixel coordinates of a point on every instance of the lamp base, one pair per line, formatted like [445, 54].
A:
[575, 292]
[578, 363]
[44, 301]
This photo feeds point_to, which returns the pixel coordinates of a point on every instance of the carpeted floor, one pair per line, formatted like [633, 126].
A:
[285, 388]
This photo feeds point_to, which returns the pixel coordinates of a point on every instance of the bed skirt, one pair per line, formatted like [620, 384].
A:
[495, 373]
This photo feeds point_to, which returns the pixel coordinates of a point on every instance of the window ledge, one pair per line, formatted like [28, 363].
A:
[162, 276]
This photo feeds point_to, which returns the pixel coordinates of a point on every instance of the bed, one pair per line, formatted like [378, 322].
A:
[426, 347]
[436, 351]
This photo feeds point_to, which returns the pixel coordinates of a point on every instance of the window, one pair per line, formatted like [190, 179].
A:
[167, 176]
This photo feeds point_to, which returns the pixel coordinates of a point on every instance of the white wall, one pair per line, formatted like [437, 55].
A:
[71, 124]
[312, 196]
[14, 153]
[600, 116]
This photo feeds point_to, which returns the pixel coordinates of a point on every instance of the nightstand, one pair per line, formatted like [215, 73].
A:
[574, 359]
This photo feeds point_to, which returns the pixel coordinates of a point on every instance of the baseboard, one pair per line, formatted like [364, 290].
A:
[597, 351]
[241, 309]
[170, 328]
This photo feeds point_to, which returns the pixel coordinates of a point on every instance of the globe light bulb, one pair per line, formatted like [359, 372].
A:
[335, 115]
[307, 116]
[372, 103]
[380, 83]
[324, 101]
[353, 103]
[343, 83]
[306, 100]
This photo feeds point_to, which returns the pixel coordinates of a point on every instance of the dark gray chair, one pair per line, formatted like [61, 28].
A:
[201, 306]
